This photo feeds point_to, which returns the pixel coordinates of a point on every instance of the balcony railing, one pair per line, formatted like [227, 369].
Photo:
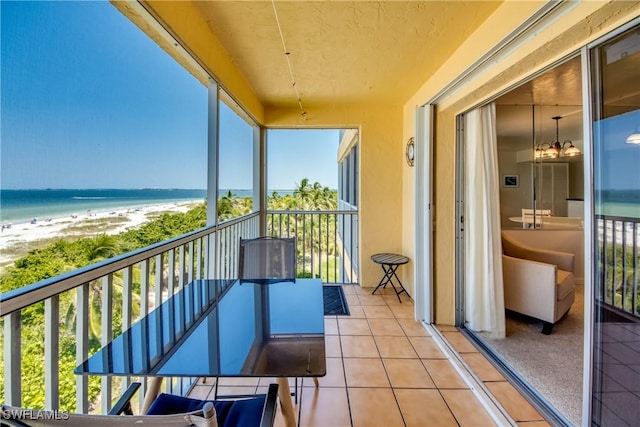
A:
[123, 289]
[84, 309]
[619, 263]
[327, 242]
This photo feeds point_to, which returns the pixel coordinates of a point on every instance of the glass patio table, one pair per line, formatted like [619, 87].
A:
[224, 328]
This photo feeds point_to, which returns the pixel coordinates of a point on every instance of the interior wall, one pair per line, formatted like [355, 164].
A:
[582, 23]
[514, 199]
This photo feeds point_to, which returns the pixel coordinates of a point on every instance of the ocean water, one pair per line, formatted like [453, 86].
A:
[622, 203]
[21, 205]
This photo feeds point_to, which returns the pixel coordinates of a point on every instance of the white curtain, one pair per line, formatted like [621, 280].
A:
[484, 296]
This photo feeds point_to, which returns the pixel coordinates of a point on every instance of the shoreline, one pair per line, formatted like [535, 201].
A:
[21, 237]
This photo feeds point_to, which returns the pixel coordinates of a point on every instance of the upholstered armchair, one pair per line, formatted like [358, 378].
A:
[537, 282]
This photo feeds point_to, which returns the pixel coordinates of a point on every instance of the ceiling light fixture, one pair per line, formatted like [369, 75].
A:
[634, 138]
[553, 150]
[287, 54]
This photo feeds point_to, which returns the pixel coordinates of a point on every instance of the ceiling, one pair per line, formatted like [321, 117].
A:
[341, 52]
[526, 112]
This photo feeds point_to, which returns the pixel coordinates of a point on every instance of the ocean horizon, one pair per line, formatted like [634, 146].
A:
[25, 204]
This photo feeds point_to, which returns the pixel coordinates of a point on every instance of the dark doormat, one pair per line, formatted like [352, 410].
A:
[334, 301]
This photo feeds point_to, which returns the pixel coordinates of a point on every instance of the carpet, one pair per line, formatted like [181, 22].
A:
[334, 301]
[552, 364]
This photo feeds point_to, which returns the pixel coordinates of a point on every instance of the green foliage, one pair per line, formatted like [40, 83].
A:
[619, 277]
[64, 255]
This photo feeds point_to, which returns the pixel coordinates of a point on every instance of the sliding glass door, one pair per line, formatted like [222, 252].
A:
[616, 230]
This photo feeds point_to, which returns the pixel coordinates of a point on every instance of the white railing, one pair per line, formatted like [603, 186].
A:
[84, 309]
[327, 242]
[97, 302]
[618, 256]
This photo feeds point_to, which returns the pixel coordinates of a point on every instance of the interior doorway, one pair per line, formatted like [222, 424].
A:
[541, 196]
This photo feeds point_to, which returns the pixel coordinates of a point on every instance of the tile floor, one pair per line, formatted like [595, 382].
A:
[384, 369]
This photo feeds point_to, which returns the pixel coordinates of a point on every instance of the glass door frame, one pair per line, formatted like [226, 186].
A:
[591, 74]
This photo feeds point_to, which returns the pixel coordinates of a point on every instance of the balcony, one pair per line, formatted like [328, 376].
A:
[83, 309]
[385, 368]
[378, 354]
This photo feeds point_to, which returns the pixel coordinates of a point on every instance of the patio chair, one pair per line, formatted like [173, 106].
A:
[166, 410]
[267, 260]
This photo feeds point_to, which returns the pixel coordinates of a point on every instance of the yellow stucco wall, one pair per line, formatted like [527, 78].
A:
[581, 24]
[381, 156]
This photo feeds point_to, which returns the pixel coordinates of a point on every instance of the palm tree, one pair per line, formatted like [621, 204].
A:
[99, 248]
[304, 194]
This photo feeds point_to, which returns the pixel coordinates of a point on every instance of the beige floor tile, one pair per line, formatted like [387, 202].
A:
[484, 370]
[403, 311]
[229, 390]
[374, 407]
[350, 289]
[365, 373]
[234, 381]
[444, 374]
[385, 290]
[352, 300]
[201, 392]
[207, 380]
[422, 408]
[359, 346]
[388, 327]
[392, 299]
[371, 300]
[364, 290]
[262, 389]
[377, 312]
[395, 347]
[513, 402]
[426, 348]
[407, 373]
[279, 419]
[334, 377]
[459, 342]
[413, 328]
[265, 381]
[468, 411]
[446, 328]
[348, 326]
[356, 312]
[330, 326]
[324, 407]
[332, 346]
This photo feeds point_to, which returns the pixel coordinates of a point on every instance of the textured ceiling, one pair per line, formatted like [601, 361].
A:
[529, 108]
[341, 51]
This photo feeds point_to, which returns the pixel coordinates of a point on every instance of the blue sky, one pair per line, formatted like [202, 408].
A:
[89, 101]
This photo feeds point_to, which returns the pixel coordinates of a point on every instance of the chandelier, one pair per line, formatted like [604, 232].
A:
[553, 150]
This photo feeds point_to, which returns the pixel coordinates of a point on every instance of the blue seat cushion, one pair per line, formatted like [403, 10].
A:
[232, 413]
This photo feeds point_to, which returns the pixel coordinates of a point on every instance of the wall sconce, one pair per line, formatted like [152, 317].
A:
[553, 150]
[410, 152]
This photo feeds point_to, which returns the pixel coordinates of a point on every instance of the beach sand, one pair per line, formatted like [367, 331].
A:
[17, 240]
